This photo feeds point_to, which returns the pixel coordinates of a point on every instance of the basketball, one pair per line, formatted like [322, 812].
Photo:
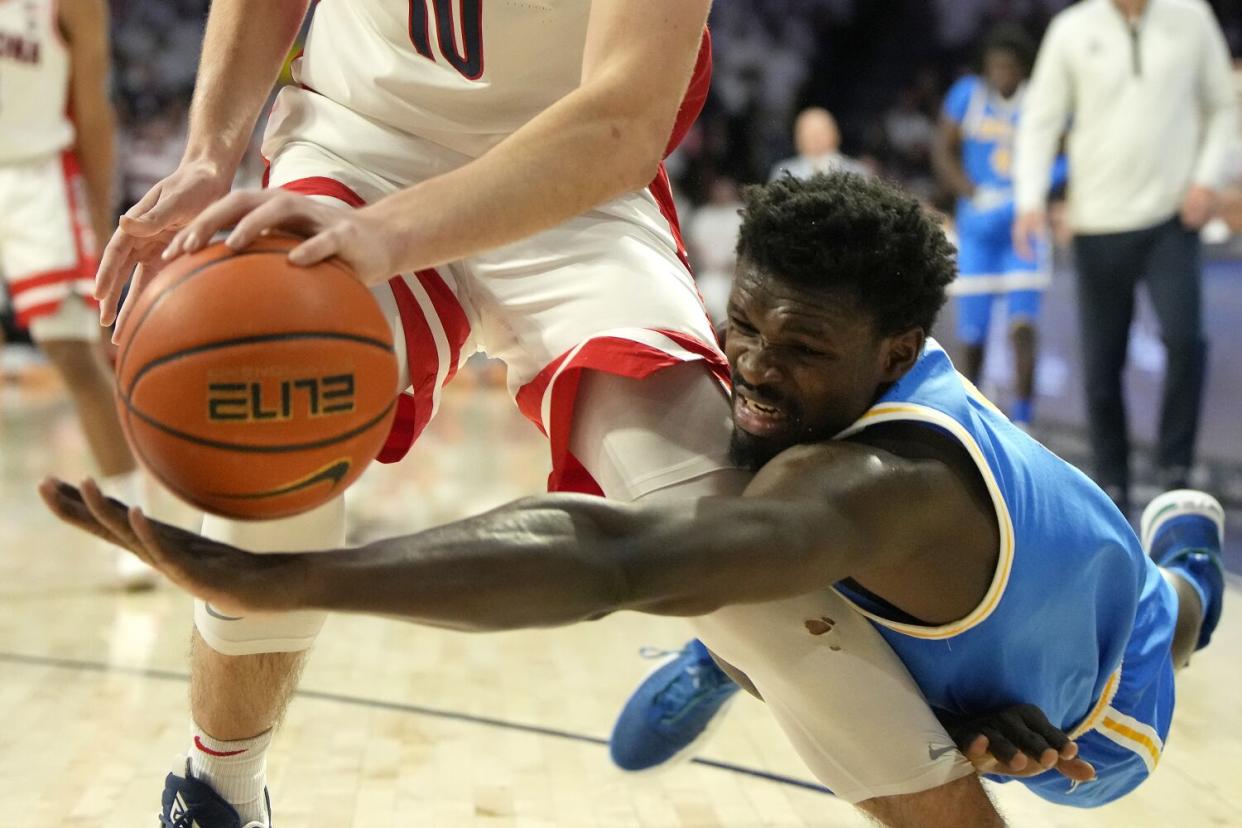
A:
[252, 388]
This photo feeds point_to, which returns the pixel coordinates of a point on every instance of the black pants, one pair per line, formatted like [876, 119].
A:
[1167, 258]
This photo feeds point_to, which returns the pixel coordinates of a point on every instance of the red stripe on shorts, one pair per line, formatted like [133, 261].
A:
[318, 185]
[452, 316]
[612, 355]
[415, 411]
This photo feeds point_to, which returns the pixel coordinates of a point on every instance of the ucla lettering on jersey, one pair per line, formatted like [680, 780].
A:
[34, 82]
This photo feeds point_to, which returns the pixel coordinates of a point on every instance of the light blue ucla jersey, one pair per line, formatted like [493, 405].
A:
[1072, 585]
[989, 124]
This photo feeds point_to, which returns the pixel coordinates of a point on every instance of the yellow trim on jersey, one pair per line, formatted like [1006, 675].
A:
[1101, 705]
[1134, 735]
[890, 412]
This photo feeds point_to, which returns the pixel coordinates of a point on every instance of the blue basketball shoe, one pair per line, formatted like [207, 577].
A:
[1183, 531]
[671, 712]
[191, 803]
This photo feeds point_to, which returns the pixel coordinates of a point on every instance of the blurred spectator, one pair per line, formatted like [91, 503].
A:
[1153, 123]
[818, 141]
[711, 235]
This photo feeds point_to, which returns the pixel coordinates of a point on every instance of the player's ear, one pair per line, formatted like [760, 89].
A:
[900, 352]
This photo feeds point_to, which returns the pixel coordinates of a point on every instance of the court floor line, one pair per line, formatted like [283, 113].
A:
[400, 707]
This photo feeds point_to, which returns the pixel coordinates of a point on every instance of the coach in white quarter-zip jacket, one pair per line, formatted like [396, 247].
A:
[1145, 87]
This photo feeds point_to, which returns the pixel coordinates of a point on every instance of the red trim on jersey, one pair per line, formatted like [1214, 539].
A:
[662, 191]
[612, 355]
[319, 185]
[696, 94]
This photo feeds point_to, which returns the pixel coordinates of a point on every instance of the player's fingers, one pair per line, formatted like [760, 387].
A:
[147, 537]
[1076, 769]
[1029, 740]
[1035, 719]
[64, 501]
[316, 249]
[115, 266]
[284, 210]
[1004, 750]
[224, 213]
[975, 747]
[110, 513]
[139, 217]
[142, 276]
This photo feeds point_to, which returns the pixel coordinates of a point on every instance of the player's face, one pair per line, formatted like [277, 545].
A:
[806, 364]
[1003, 71]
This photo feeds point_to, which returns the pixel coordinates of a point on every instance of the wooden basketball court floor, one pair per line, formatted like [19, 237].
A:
[403, 726]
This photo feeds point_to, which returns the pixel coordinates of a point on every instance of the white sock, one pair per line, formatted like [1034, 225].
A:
[235, 770]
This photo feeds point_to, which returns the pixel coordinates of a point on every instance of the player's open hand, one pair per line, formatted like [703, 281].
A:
[1019, 741]
[146, 228]
[357, 237]
[232, 580]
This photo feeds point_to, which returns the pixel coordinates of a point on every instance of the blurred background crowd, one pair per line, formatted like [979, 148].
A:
[882, 69]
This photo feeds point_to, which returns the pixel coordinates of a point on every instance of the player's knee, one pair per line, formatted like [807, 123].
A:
[291, 632]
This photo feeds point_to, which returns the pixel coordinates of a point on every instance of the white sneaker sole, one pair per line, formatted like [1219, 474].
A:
[1175, 503]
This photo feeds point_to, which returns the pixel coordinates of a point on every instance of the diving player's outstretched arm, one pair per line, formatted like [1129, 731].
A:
[811, 517]
[605, 138]
[243, 50]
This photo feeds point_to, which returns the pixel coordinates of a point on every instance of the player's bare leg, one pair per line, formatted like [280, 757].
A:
[1024, 339]
[244, 671]
[972, 362]
[90, 384]
[71, 340]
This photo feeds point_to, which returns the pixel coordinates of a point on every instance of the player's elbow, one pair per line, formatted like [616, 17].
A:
[643, 157]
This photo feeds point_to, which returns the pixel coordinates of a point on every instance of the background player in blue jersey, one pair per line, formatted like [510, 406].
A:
[1001, 575]
[972, 157]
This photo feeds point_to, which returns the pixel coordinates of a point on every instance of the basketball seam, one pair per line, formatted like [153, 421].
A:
[241, 447]
[251, 340]
[228, 254]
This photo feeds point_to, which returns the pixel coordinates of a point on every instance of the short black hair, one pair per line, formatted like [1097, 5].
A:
[849, 234]
[1008, 37]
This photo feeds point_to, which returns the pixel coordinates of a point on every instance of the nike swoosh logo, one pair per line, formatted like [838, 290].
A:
[333, 472]
[934, 753]
[214, 614]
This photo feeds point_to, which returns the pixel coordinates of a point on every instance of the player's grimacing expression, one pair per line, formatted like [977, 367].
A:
[805, 364]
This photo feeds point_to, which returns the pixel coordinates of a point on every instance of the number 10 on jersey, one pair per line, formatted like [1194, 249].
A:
[464, 55]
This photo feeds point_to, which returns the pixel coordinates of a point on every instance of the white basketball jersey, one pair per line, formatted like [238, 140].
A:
[34, 81]
[462, 73]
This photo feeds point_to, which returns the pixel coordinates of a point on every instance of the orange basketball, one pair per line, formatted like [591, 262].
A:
[252, 388]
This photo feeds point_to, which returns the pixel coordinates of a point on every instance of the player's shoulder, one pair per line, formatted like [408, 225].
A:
[957, 99]
[964, 85]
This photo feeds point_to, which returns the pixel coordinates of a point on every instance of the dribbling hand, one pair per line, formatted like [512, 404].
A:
[360, 237]
[145, 230]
